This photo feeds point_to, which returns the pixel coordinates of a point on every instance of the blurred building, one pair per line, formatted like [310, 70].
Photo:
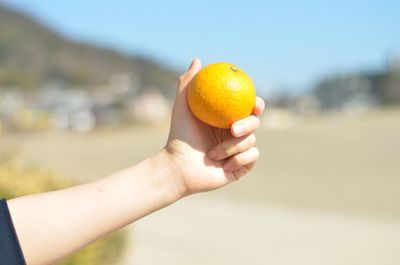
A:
[150, 106]
[361, 90]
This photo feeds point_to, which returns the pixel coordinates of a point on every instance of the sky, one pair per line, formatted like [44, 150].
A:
[282, 45]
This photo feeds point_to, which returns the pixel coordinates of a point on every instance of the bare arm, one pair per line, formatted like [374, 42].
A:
[53, 225]
[196, 158]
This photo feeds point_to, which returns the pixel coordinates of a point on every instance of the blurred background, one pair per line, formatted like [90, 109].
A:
[86, 88]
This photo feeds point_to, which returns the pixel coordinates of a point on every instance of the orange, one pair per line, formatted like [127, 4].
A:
[220, 94]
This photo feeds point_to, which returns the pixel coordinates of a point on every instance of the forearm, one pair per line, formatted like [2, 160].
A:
[61, 222]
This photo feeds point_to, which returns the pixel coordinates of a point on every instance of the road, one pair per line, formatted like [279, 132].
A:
[325, 191]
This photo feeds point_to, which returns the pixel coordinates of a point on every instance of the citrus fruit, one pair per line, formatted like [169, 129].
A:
[220, 94]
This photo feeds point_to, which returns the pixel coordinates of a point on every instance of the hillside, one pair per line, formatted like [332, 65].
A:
[31, 55]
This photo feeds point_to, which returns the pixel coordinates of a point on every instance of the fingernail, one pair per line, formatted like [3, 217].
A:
[238, 128]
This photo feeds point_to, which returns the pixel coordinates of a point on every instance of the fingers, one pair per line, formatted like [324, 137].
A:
[231, 147]
[243, 159]
[245, 126]
[239, 151]
[250, 124]
[238, 173]
[250, 166]
[259, 107]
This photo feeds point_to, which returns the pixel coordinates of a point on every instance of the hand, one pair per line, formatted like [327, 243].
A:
[197, 158]
[203, 157]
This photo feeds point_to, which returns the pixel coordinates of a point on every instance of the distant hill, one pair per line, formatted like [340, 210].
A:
[31, 55]
[365, 88]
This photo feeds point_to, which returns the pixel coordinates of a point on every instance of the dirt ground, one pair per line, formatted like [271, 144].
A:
[325, 191]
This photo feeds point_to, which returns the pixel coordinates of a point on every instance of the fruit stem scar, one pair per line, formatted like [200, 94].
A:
[234, 69]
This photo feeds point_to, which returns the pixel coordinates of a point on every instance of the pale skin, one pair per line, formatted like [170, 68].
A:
[196, 158]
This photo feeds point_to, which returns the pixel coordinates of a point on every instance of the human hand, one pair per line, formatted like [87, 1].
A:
[203, 157]
[196, 158]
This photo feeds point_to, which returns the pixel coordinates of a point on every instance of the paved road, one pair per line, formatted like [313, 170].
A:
[200, 230]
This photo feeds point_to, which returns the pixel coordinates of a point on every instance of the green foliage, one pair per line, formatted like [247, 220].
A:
[17, 179]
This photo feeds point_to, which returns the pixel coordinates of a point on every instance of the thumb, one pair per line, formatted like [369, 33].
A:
[184, 79]
[181, 109]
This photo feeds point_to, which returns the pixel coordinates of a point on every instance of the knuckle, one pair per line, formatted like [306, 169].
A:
[236, 160]
[252, 139]
[224, 149]
[223, 145]
[253, 122]
[237, 175]
[223, 153]
[241, 172]
[250, 166]
[241, 145]
[247, 143]
[245, 170]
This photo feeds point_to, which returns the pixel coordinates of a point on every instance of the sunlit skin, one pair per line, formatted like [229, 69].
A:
[196, 158]
[208, 157]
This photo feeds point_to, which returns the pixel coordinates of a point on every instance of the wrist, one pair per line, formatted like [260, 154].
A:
[170, 173]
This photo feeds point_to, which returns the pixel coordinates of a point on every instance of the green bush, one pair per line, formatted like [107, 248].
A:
[17, 179]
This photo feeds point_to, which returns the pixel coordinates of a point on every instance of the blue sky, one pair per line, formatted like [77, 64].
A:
[281, 44]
